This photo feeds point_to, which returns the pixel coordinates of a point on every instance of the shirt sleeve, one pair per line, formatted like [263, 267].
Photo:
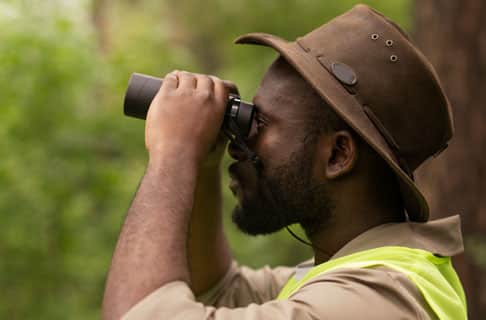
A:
[377, 293]
[242, 285]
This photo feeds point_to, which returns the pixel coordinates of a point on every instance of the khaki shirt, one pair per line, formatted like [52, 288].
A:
[367, 293]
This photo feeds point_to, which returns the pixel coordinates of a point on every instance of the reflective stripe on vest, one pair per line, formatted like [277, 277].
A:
[434, 276]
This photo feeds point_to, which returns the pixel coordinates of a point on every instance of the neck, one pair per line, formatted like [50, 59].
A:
[349, 219]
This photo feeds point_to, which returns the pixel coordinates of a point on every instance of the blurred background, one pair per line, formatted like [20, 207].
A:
[70, 162]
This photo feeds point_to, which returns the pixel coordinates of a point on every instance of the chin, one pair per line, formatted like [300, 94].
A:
[256, 222]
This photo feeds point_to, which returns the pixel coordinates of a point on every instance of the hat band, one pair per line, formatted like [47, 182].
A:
[389, 139]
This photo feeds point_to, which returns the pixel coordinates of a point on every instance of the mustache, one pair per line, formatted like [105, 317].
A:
[252, 158]
[256, 163]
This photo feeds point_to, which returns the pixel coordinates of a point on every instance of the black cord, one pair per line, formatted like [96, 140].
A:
[307, 243]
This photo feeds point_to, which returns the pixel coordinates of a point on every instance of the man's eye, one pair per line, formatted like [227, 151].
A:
[260, 124]
[261, 120]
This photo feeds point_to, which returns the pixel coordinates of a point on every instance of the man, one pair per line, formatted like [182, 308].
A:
[345, 115]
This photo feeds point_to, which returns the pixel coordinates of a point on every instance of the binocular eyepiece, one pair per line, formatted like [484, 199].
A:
[143, 88]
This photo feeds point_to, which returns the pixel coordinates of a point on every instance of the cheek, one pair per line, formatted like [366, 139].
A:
[318, 168]
[321, 157]
[271, 147]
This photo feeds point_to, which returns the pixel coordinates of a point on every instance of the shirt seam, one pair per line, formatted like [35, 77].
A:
[402, 288]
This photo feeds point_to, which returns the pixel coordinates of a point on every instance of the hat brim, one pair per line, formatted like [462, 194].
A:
[348, 108]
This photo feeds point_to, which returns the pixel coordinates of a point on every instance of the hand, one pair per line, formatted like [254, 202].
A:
[186, 115]
[215, 155]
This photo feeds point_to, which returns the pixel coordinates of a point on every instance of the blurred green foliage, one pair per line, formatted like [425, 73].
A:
[70, 162]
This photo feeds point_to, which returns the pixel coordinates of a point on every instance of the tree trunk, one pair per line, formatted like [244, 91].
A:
[452, 35]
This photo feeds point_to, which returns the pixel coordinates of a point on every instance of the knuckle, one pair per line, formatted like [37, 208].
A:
[214, 78]
[205, 95]
[187, 74]
[170, 76]
[185, 92]
[183, 74]
[166, 94]
[207, 78]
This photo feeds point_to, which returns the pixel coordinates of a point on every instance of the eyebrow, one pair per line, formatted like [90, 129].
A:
[255, 102]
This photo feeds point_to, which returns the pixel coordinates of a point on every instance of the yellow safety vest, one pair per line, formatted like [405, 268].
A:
[433, 275]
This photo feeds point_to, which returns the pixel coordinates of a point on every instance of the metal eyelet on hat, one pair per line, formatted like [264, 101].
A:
[393, 58]
[389, 43]
[374, 36]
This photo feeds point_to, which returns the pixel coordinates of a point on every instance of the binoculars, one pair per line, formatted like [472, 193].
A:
[142, 89]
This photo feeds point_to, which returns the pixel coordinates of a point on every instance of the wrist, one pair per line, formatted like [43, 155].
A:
[172, 152]
[172, 159]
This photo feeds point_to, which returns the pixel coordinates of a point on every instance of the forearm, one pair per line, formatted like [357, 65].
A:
[152, 247]
[209, 253]
[183, 122]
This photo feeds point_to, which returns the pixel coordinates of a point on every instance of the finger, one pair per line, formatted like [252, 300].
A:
[205, 83]
[170, 82]
[232, 87]
[221, 91]
[187, 80]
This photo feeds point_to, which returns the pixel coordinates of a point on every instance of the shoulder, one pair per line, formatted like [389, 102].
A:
[371, 293]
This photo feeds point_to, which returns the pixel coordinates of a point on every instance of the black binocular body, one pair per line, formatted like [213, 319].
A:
[142, 89]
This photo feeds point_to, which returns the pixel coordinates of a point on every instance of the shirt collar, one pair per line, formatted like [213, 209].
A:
[441, 237]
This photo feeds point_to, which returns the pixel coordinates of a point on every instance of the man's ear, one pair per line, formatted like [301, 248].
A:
[341, 154]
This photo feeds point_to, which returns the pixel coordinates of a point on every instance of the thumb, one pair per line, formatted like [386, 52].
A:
[231, 86]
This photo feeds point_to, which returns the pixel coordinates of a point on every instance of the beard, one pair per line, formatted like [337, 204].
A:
[273, 198]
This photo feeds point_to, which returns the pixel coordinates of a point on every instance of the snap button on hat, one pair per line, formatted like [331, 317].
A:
[344, 73]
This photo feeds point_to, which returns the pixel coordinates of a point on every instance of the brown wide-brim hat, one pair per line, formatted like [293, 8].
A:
[365, 67]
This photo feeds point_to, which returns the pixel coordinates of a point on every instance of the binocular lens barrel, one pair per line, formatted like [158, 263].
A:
[142, 89]
[140, 92]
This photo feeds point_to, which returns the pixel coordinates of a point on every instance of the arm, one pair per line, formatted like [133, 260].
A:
[182, 124]
[209, 253]
[348, 293]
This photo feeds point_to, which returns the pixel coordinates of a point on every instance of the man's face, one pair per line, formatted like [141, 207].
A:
[285, 190]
